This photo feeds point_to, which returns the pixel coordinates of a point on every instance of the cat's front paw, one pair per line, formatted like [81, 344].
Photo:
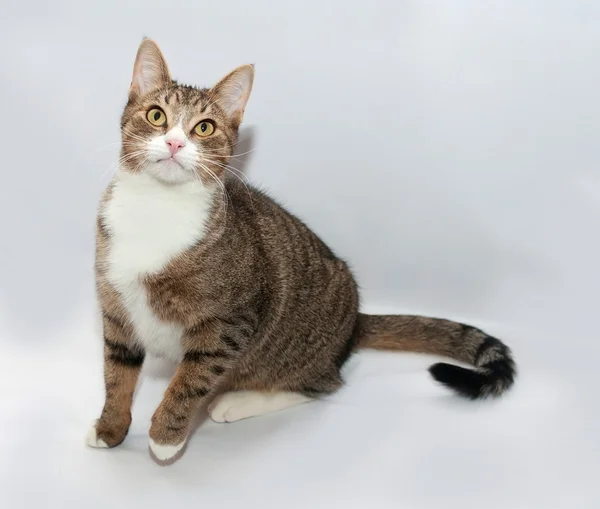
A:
[167, 436]
[102, 435]
[164, 452]
[93, 440]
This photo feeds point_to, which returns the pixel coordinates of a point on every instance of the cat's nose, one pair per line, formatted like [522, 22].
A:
[175, 145]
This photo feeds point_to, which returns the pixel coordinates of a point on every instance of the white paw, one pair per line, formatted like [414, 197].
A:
[234, 406]
[215, 411]
[92, 439]
[165, 452]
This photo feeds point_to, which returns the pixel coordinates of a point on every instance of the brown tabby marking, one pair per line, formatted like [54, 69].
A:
[122, 364]
[264, 304]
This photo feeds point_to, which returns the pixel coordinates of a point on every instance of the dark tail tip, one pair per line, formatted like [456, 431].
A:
[491, 379]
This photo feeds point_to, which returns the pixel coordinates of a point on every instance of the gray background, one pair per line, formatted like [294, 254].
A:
[448, 150]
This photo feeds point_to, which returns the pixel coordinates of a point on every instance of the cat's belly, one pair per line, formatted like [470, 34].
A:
[158, 338]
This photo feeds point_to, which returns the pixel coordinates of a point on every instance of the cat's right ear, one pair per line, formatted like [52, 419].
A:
[150, 70]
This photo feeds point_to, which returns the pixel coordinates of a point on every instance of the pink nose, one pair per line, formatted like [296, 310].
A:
[175, 145]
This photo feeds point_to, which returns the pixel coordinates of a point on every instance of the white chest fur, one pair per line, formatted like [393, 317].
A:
[150, 223]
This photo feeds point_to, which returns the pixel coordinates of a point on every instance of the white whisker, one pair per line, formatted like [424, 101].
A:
[233, 170]
[123, 159]
[133, 135]
[218, 180]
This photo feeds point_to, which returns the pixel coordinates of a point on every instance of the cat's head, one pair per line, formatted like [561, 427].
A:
[178, 133]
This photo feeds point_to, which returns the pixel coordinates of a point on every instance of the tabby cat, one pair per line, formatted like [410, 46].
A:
[250, 303]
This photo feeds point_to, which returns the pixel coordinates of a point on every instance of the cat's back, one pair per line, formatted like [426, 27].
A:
[277, 227]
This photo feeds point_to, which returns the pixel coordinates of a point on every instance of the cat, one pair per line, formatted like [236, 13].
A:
[215, 275]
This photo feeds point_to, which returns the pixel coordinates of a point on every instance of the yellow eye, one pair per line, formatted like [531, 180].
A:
[156, 117]
[204, 128]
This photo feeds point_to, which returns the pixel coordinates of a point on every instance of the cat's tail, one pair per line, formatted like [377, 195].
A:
[493, 366]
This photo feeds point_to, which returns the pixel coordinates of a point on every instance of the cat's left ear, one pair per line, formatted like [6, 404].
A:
[150, 71]
[233, 91]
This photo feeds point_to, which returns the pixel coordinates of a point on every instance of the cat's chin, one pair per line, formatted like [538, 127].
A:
[169, 172]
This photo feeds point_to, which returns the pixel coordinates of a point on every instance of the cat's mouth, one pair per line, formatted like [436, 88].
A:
[171, 160]
[169, 171]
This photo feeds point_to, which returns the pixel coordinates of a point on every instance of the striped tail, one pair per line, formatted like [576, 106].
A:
[493, 366]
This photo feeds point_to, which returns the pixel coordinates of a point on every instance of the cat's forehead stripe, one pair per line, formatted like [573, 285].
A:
[184, 95]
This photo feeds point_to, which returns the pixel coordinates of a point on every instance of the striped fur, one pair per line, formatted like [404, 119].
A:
[231, 285]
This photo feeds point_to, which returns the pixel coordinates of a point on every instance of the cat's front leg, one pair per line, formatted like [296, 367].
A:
[123, 360]
[210, 353]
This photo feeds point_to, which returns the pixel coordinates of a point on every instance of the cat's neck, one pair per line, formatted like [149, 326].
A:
[151, 222]
[145, 182]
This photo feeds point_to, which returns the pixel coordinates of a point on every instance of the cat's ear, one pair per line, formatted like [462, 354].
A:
[150, 70]
[233, 91]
